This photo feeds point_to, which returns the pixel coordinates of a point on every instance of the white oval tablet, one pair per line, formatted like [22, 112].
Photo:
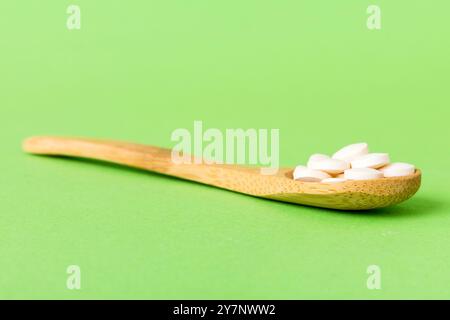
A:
[333, 166]
[371, 160]
[362, 174]
[333, 180]
[351, 152]
[316, 157]
[398, 169]
[302, 173]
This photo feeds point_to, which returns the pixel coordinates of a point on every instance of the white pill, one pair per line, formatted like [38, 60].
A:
[316, 157]
[398, 169]
[362, 174]
[333, 166]
[333, 180]
[371, 160]
[351, 152]
[303, 173]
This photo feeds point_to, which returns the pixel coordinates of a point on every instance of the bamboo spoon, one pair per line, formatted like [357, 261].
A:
[347, 195]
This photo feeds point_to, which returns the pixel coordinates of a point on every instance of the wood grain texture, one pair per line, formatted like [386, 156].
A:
[348, 195]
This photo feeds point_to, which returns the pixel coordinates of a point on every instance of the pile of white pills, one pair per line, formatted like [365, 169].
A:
[353, 162]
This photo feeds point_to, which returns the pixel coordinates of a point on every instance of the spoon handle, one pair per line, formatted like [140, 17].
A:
[144, 157]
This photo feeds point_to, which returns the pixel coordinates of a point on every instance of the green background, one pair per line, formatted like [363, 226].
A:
[137, 70]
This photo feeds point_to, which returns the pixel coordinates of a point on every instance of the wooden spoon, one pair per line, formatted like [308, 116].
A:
[348, 195]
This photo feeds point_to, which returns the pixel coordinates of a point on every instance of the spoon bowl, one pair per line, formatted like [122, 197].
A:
[347, 195]
[352, 194]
